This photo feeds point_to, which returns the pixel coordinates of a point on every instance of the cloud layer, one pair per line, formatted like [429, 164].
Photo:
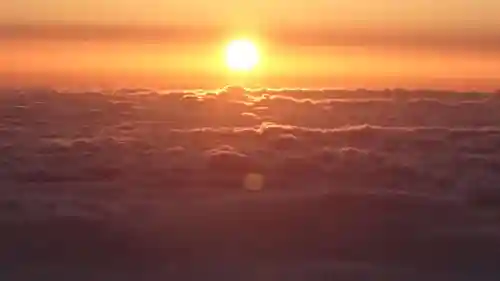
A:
[421, 166]
[421, 141]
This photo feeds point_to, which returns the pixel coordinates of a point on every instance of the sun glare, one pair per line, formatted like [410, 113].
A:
[241, 55]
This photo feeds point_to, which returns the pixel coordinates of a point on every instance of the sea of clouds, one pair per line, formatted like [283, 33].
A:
[353, 184]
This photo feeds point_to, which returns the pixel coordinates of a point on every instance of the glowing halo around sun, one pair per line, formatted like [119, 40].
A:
[241, 55]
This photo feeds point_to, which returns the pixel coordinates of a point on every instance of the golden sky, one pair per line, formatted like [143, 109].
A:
[450, 13]
[310, 43]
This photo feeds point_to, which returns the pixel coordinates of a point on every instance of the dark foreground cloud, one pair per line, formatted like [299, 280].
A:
[371, 183]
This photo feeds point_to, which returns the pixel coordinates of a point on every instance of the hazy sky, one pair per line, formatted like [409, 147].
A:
[372, 39]
[447, 13]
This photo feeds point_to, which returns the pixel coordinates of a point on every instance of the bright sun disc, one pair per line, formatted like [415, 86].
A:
[241, 55]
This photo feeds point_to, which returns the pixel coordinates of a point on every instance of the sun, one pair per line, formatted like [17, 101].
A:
[241, 55]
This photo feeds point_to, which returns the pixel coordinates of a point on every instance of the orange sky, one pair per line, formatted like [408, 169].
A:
[309, 43]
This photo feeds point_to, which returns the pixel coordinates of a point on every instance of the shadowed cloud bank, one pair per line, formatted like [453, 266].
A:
[395, 183]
